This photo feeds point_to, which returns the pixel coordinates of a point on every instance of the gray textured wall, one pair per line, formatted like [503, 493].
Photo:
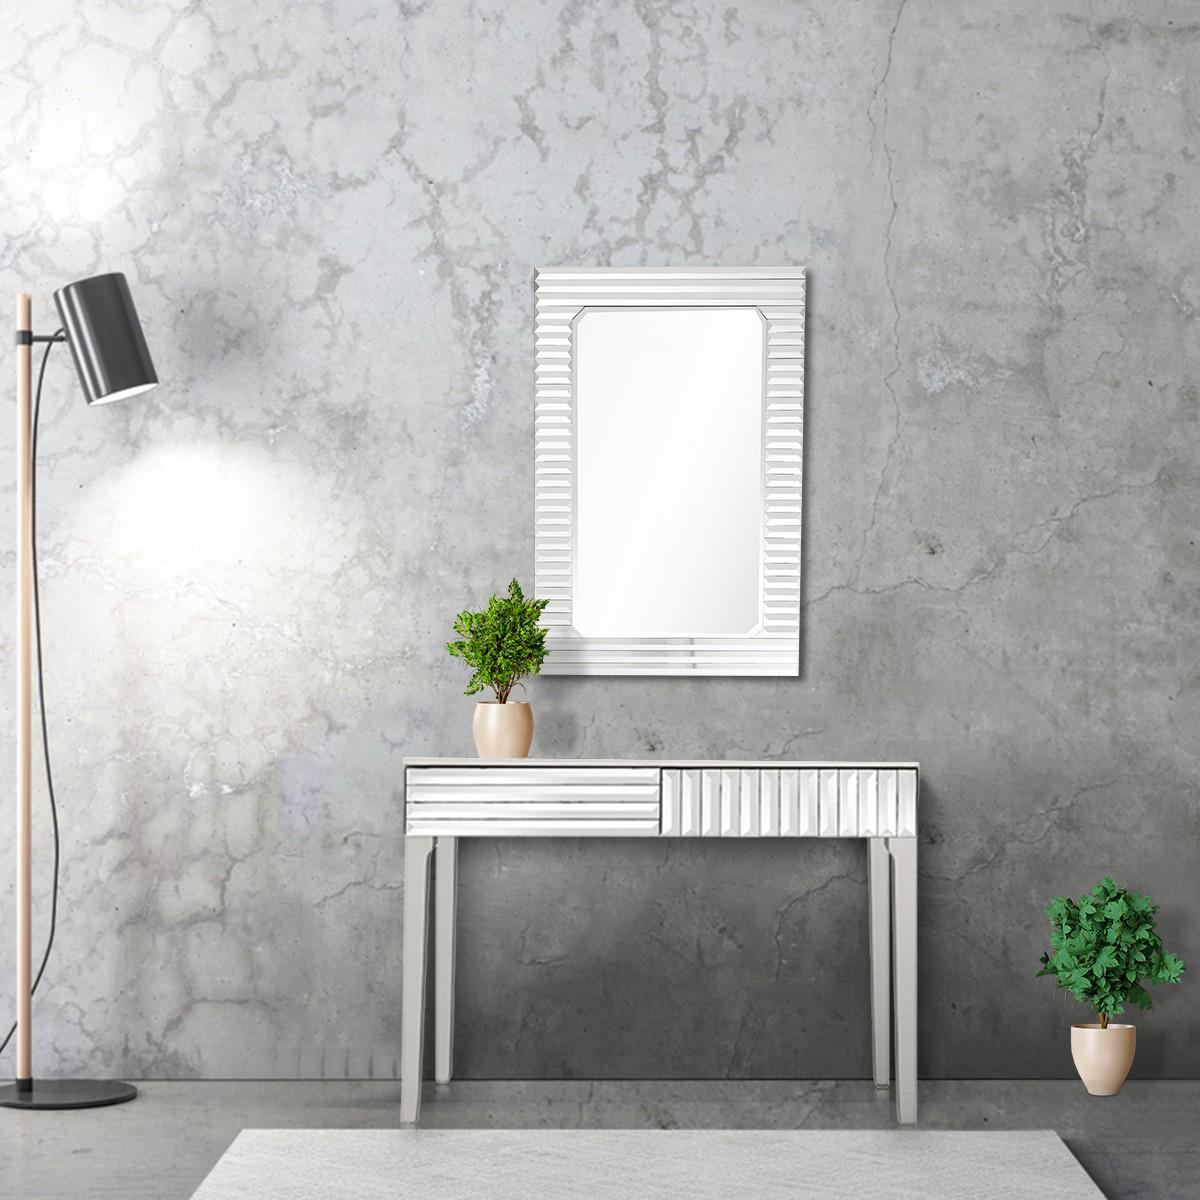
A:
[331, 215]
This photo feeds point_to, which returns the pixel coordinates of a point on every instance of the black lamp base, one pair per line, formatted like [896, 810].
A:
[66, 1093]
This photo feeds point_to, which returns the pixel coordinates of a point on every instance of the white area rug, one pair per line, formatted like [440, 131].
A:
[539, 1164]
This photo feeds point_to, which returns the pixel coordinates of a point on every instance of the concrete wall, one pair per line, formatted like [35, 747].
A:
[330, 215]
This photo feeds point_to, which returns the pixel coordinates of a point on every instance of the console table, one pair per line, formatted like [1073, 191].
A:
[449, 798]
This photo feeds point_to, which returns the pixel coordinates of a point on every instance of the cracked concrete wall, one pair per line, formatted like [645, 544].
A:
[331, 220]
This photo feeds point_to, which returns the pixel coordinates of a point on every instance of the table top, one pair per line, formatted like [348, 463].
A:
[666, 763]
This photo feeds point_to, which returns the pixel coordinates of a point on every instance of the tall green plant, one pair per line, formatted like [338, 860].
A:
[1103, 948]
[503, 643]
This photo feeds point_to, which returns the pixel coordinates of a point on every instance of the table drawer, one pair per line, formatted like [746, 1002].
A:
[809, 801]
[491, 801]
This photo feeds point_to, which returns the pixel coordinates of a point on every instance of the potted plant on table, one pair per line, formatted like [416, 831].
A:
[1101, 950]
[503, 644]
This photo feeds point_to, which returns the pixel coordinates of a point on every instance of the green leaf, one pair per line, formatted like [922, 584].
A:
[1170, 970]
[503, 643]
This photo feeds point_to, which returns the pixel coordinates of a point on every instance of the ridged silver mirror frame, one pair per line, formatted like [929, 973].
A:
[773, 646]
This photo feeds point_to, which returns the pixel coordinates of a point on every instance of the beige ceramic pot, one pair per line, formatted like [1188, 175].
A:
[1103, 1056]
[502, 730]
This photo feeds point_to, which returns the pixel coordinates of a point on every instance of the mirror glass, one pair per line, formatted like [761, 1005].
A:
[669, 459]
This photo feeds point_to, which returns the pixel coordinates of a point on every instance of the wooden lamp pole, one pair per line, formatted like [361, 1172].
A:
[24, 1073]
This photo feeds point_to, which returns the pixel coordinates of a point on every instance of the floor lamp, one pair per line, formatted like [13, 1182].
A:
[101, 327]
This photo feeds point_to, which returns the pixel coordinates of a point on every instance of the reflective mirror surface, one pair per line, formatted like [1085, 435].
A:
[668, 406]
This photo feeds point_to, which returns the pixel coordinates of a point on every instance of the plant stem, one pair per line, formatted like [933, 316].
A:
[1103, 1020]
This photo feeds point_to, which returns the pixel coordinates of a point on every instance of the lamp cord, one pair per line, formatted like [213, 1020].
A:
[37, 630]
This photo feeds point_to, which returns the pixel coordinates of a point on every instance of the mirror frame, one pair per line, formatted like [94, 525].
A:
[561, 295]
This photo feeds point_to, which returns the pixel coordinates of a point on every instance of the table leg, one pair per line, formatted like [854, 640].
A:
[904, 951]
[445, 913]
[417, 852]
[879, 893]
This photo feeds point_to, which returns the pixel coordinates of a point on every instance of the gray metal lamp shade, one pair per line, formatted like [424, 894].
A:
[105, 337]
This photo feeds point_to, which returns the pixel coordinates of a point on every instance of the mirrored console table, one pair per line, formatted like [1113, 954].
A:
[450, 798]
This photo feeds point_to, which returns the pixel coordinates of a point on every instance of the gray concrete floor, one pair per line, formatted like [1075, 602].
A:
[1144, 1143]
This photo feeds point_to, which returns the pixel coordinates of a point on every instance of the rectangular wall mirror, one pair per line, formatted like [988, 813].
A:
[669, 455]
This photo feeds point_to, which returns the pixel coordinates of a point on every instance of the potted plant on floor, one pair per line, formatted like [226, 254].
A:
[1101, 950]
[503, 643]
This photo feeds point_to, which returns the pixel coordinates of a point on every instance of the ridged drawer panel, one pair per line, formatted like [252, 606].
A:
[710, 802]
[768, 803]
[827, 802]
[752, 802]
[533, 801]
[749, 824]
[868, 802]
[889, 814]
[789, 802]
[848, 802]
[907, 821]
[513, 779]
[671, 798]
[809, 805]
[729, 802]
[689, 802]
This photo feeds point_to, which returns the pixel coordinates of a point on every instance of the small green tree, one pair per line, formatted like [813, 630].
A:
[503, 643]
[1102, 949]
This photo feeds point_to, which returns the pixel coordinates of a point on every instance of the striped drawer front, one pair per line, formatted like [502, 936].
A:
[789, 802]
[532, 801]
